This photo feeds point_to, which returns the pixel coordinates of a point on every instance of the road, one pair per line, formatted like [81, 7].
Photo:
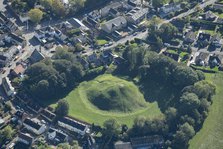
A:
[201, 5]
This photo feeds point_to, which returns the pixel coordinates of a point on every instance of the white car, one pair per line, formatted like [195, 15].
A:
[12, 145]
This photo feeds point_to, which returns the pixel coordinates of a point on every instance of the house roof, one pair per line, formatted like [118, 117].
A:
[7, 84]
[215, 38]
[32, 123]
[113, 5]
[209, 15]
[49, 115]
[123, 145]
[19, 69]
[115, 22]
[137, 13]
[77, 24]
[218, 6]
[204, 36]
[190, 35]
[26, 137]
[73, 123]
[60, 136]
[147, 141]
[202, 57]
[36, 56]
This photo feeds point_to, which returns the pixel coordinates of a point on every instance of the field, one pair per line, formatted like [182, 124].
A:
[211, 134]
[81, 108]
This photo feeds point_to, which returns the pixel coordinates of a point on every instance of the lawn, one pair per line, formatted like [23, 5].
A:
[81, 108]
[101, 42]
[211, 134]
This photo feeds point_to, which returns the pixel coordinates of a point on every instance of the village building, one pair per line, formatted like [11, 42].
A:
[9, 90]
[114, 24]
[34, 126]
[73, 126]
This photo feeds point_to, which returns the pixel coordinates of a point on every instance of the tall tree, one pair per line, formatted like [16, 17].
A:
[35, 15]
[62, 108]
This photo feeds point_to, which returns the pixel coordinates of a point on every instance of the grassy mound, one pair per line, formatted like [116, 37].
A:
[110, 93]
[83, 109]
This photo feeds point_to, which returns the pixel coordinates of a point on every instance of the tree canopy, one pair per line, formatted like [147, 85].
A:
[35, 15]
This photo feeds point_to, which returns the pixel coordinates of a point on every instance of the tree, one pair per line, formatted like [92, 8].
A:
[47, 4]
[157, 3]
[111, 128]
[171, 114]
[62, 108]
[184, 76]
[167, 31]
[183, 135]
[77, 4]
[6, 133]
[189, 102]
[204, 89]
[58, 8]
[35, 15]
[63, 146]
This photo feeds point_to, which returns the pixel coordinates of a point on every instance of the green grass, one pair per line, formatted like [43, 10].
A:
[211, 134]
[101, 42]
[172, 51]
[219, 14]
[81, 108]
[182, 54]
[113, 94]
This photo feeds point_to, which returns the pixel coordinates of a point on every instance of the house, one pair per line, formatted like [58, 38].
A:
[34, 126]
[36, 56]
[190, 37]
[114, 5]
[18, 39]
[219, 20]
[209, 16]
[136, 15]
[17, 71]
[2, 122]
[174, 56]
[123, 145]
[83, 62]
[215, 60]
[92, 22]
[202, 59]
[25, 138]
[203, 39]
[57, 136]
[114, 12]
[169, 8]
[216, 41]
[73, 126]
[114, 24]
[218, 7]
[6, 57]
[76, 23]
[48, 115]
[9, 90]
[92, 58]
[147, 142]
[179, 24]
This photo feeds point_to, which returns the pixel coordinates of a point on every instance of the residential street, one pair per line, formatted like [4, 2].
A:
[29, 48]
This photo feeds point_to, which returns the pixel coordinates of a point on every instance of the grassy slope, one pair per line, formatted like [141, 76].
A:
[113, 94]
[82, 109]
[211, 135]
